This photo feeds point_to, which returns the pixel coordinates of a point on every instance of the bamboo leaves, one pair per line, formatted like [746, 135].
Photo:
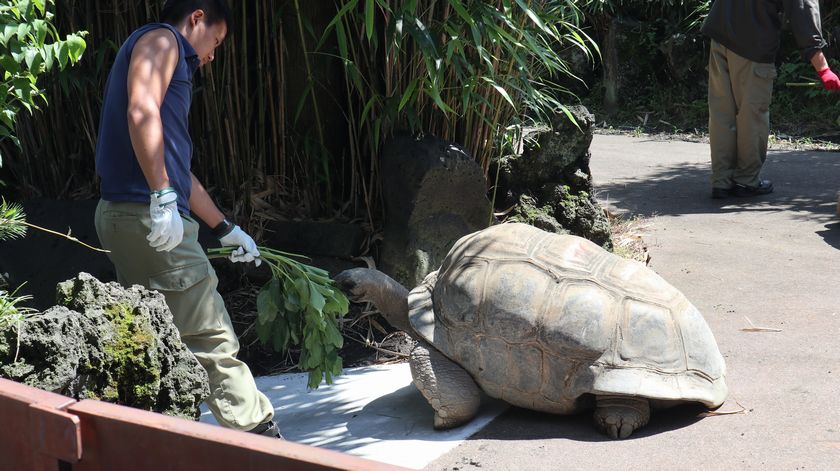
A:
[501, 90]
[369, 12]
[462, 12]
[300, 306]
[460, 69]
[535, 18]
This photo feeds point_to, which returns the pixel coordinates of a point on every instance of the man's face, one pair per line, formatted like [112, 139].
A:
[205, 38]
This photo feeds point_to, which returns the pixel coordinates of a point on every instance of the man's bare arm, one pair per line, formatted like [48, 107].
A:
[202, 205]
[153, 62]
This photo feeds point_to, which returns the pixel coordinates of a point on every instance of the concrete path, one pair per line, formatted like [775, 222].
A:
[774, 260]
[374, 412]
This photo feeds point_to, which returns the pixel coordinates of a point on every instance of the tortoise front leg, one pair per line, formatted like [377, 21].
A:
[448, 388]
[620, 416]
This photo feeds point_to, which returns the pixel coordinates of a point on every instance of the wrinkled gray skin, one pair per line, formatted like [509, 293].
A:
[552, 323]
[448, 388]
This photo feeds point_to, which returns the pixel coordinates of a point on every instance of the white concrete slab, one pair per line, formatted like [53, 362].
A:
[374, 412]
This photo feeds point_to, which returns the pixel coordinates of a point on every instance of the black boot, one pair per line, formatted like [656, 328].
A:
[269, 429]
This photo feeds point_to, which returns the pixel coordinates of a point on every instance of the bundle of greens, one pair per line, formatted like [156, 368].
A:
[300, 306]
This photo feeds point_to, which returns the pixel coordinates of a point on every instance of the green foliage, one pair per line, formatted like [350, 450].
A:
[462, 70]
[11, 311]
[300, 306]
[809, 110]
[801, 73]
[687, 14]
[29, 47]
[12, 221]
[655, 69]
[12, 314]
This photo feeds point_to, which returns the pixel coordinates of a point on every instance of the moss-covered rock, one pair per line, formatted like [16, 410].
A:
[108, 343]
[549, 185]
[528, 211]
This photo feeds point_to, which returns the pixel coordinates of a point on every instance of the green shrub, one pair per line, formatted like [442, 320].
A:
[29, 47]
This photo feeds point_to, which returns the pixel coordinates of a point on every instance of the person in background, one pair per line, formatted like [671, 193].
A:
[143, 158]
[745, 37]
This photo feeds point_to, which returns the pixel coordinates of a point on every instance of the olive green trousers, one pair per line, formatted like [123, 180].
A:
[188, 282]
[740, 91]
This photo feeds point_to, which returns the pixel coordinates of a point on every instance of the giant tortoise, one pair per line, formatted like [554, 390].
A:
[552, 323]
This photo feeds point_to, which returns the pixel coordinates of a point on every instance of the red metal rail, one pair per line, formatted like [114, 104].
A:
[42, 431]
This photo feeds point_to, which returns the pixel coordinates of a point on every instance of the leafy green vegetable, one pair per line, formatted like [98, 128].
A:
[300, 306]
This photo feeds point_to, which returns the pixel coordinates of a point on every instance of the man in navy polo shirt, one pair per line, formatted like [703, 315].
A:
[143, 157]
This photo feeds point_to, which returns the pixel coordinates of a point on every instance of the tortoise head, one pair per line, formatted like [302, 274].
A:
[373, 286]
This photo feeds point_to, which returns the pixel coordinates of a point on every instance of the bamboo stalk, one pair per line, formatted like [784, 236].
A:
[66, 236]
[281, 104]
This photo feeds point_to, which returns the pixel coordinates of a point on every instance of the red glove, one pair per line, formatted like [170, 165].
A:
[829, 79]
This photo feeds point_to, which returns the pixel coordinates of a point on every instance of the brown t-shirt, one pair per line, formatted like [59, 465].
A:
[752, 28]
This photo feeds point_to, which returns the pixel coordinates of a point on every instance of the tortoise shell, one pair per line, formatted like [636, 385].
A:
[544, 321]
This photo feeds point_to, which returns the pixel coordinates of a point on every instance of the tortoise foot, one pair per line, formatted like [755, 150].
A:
[447, 387]
[620, 416]
[446, 423]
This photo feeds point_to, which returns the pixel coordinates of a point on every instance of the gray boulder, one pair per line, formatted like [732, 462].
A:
[549, 185]
[434, 193]
[109, 343]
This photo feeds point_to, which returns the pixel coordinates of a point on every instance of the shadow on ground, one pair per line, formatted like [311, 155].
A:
[831, 234]
[405, 415]
[806, 185]
[524, 424]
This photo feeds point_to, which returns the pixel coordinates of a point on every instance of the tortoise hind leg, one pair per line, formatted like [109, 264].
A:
[620, 416]
[448, 388]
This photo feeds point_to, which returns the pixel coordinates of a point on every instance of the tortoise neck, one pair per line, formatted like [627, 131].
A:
[391, 299]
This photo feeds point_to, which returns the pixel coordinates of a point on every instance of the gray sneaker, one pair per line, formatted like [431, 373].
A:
[269, 429]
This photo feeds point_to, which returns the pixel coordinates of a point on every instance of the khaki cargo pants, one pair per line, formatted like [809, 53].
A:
[739, 116]
[184, 276]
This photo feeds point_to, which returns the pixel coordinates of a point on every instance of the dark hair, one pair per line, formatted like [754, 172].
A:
[174, 11]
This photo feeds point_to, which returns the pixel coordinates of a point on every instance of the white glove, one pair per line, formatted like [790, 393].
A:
[247, 251]
[167, 226]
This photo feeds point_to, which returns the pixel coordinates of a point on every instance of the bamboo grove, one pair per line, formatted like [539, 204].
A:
[289, 119]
